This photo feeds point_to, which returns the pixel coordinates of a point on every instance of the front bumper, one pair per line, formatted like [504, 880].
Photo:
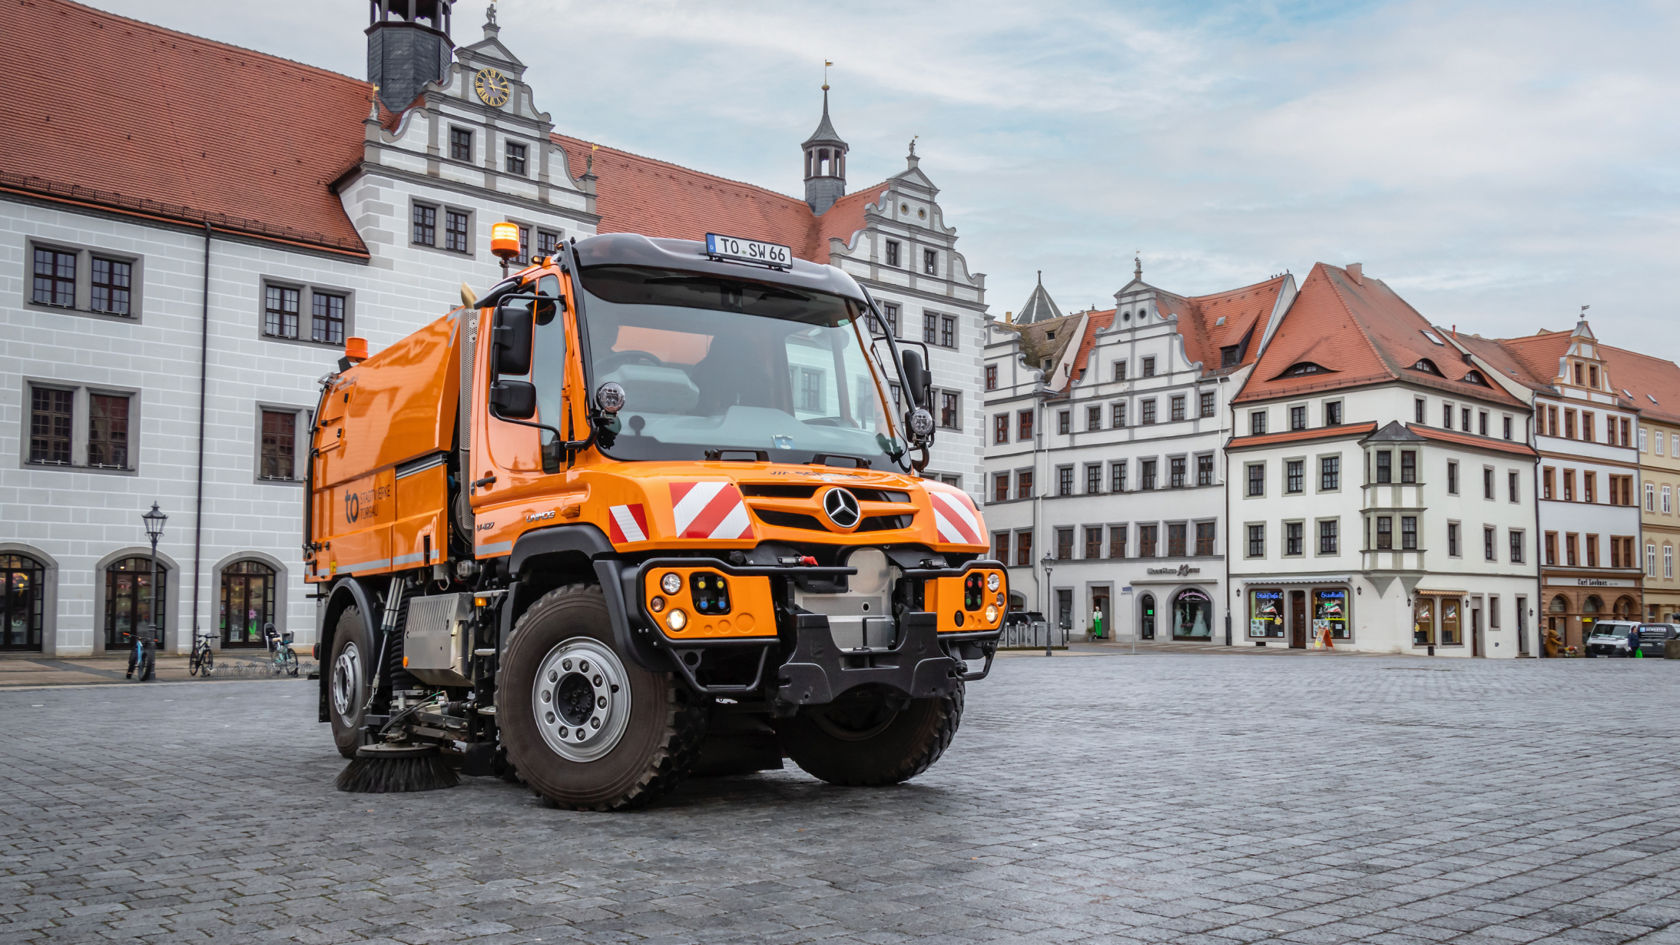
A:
[791, 657]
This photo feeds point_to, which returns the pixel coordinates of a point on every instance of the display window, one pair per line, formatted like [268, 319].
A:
[1265, 613]
[1423, 621]
[1451, 632]
[1330, 612]
[1192, 615]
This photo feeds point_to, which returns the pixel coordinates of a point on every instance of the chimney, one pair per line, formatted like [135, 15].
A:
[1009, 318]
[1455, 331]
[1356, 272]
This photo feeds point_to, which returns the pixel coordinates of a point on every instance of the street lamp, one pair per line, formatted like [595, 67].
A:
[154, 530]
[1048, 563]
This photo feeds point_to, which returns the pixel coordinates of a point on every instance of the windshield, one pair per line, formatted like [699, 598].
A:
[717, 368]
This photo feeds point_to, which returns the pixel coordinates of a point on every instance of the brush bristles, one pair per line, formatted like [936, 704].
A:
[400, 775]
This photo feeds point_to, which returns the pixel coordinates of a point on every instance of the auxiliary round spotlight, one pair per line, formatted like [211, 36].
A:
[671, 583]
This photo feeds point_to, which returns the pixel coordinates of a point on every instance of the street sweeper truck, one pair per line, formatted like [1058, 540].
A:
[645, 507]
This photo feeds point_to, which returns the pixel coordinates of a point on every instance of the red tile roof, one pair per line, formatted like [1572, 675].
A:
[1245, 311]
[1465, 439]
[1361, 333]
[144, 120]
[637, 194]
[1297, 436]
[1648, 378]
[1098, 321]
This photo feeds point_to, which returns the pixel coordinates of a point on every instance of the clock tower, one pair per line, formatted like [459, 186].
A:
[408, 46]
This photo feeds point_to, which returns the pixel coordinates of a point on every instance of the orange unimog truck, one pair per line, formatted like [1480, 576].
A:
[647, 503]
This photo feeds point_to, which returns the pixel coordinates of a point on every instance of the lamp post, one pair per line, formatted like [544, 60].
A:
[1048, 563]
[154, 530]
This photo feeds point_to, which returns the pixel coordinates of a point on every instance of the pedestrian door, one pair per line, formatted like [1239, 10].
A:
[1100, 612]
[1146, 617]
[1297, 620]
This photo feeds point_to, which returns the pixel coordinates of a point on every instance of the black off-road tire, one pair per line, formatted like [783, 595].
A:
[857, 742]
[661, 722]
[356, 680]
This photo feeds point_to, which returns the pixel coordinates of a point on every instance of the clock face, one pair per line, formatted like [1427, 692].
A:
[491, 86]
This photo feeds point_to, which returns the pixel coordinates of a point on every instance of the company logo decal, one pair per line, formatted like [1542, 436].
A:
[628, 523]
[841, 507]
[956, 518]
[709, 510]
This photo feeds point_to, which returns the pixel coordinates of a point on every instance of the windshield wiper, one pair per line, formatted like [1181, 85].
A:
[839, 459]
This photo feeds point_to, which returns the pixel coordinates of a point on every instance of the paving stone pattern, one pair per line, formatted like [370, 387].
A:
[1159, 798]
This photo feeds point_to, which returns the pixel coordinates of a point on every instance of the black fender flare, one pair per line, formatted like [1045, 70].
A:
[591, 544]
[347, 592]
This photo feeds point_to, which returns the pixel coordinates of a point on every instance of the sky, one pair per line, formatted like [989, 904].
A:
[1500, 165]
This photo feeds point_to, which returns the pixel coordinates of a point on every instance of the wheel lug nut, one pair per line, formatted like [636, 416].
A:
[595, 679]
[583, 666]
[600, 702]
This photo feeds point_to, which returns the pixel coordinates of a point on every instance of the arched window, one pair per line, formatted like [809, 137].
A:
[128, 598]
[1146, 616]
[22, 593]
[1475, 377]
[1427, 366]
[1192, 615]
[1624, 607]
[247, 602]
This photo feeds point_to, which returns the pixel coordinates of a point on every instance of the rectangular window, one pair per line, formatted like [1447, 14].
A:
[1024, 425]
[1176, 533]
[1298, 418]
[108, 431]
[1452, 477]
[55, 278]
[1408, 533]
[1119, 370]
[1024, 484]
[1333, 413]
[1064, 422]
[1117, 476]
[1506, 422]
[1385, 532]
[1257, 541]
[1327, 536]
[1064, 480]
[279, 430]
[1551, 548]
[1146, 473]
[1117, 414]
[1256, 422]
[948, 331]
[1452, 539]
[1064, 544]
[1146, 540]
[1446, 416]
[1418, 405]
[1293, 475]
[327, 318]
[1513, 486]
[1592, 551]
[950, 410]
[1148, 367]
[1000, 428]
[892, 253]
[1093, 541]
[455, 231]
[1117, 541]
[1489, 541]
[1548, 481]
[1516, 536]
[1667, 500]
[1148, 408]
[1000, 546]
[1481, 422]
[1464, 419]
[1292, 538]
[930, 328]
[1659, 444]
[1589, 486]
[1571, 545]
[1487, 482]
[460, 144]
[1408, 466]
[1204, 539]
[548, 242]
[1668, 562]
[515, 158]
[1093, 478]
[1256, 479]
[50, 412]
[1452, 629]
[1175, 472]
[280, 311]
[1568, 424]
[1205, 403]
[1000, 488]
[425, 225]
[1093, 418]
[1650, 497]
[1589, 426]
[111, 287]
[1329, 473]
[1385, 466]
[930, 262]
[1204, 470]
[991, 377]
[1023, 549]
[1177, 407]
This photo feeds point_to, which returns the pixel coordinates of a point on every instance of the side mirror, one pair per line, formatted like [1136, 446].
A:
[511, 340]
[916, 376]
[513, 400]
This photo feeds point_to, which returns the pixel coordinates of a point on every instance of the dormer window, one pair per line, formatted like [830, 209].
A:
[1475, 377]
[1427, 366]
[1229, 356]
[1303, 368]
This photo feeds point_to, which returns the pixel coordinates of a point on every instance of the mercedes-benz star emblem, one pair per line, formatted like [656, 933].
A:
[841, 507]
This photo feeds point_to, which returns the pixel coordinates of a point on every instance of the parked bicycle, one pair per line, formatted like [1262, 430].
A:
[142, 655]
[203, 659]
[281, 655]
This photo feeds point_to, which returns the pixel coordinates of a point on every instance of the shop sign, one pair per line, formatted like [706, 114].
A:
[1182, 570]
[1603, 582]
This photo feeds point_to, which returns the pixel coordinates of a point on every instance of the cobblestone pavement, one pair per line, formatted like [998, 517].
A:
[1157, 798]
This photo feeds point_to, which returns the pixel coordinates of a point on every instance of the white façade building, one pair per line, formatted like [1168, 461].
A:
[1105, 430]
[1381, 485]
[172, 287]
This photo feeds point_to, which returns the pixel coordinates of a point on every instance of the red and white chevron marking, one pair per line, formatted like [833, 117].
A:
[709, 510]
[956, 518]
[629, 523]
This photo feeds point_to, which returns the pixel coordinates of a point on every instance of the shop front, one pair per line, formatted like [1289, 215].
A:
[1173, 603]
[1300, 615]
[1575, 603]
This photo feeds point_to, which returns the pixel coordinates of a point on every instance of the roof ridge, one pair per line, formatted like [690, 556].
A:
[154, 27]
[690, 170]
[1243, 288]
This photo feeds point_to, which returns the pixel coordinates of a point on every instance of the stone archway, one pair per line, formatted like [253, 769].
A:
[1626, 608]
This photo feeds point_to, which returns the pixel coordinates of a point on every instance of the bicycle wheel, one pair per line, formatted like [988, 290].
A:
[209, 661]
[291, 662]
[192, 663]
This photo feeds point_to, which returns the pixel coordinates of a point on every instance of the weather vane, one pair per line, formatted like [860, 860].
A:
[826, 64]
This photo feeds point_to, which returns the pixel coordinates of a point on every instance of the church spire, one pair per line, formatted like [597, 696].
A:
[825, 160]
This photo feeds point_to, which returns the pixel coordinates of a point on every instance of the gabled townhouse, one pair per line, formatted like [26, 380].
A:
[1653, 385]
[1380, 485]
[1113, 421]
[1587, 479]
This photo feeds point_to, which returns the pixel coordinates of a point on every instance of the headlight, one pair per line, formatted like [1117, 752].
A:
[671, 583]
[676, 620]
[993, 581]
[991, 614]
[657, 604]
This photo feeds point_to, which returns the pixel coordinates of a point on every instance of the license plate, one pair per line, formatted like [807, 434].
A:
[733, 247]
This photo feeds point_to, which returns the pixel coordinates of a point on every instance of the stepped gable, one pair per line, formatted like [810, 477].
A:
[637, 194]
[1358, 332]
[150, 121]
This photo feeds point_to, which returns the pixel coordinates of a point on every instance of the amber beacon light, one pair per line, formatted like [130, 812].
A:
[504, 242]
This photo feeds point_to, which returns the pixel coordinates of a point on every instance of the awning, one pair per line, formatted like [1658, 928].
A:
[1321, 579]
